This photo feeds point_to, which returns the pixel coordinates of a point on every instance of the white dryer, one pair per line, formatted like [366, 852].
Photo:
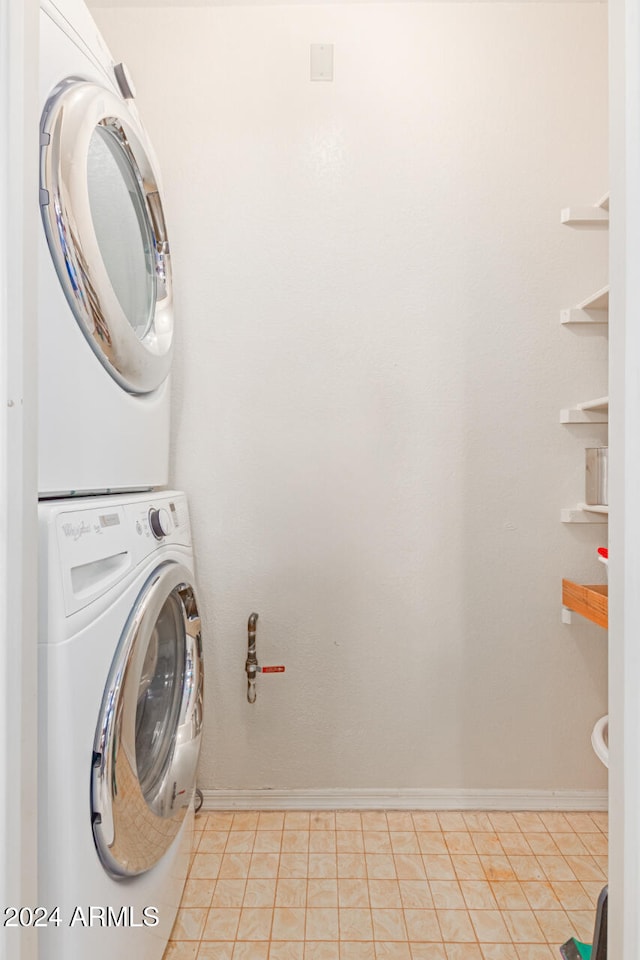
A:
[105, 290]
[120, 720]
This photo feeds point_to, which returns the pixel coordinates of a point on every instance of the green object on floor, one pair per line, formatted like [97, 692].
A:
[575, 950]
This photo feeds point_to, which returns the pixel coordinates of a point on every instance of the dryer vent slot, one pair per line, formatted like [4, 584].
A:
[88, 577]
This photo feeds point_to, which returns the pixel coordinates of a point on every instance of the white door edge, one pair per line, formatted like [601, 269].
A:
[624, 443]
[18, 480]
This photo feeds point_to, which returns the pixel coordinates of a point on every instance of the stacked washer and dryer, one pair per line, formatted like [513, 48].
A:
[120, 651]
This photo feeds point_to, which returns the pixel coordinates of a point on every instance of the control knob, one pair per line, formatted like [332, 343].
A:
[159, 522]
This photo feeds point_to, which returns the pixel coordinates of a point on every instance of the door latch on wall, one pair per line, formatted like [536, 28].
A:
[252, 666]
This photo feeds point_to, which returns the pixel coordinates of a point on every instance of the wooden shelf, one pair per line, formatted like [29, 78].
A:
[593, 309]
[585, 513]
[599, 404]
[585, 216]
[589, 600]
[594, 508]
[590, 411]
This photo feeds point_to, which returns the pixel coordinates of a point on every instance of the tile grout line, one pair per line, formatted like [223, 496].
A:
[275, 891]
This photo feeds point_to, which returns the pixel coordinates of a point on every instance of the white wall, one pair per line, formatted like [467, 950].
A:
[369, 374]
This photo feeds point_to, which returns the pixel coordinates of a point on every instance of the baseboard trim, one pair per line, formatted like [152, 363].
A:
[408, 799]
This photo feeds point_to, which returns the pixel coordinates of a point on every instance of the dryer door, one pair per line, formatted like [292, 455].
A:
[148, 736]
[103, 217]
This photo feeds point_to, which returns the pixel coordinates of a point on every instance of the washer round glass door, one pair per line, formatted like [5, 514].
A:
[103, 217]
[148, 736]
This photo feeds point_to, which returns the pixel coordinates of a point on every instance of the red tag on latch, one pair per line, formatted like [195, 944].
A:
[272, 669]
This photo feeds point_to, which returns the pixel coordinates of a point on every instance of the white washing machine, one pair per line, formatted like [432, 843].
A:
[120, 720]
[105, 290]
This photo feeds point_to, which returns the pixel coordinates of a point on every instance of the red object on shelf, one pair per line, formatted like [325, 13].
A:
[604, 552]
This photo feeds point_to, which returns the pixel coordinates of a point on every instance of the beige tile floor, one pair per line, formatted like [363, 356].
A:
[394, 885]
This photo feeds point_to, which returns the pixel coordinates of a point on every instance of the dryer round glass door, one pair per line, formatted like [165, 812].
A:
[122, 228]
[104, 221]
[148, 735]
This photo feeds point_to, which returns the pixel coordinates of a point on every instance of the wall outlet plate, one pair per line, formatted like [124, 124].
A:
[322, 61]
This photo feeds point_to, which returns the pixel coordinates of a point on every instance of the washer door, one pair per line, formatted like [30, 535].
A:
[148, 736]
[103, 217]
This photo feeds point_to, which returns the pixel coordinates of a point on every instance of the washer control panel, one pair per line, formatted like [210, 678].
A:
[100, 540]
[165, 519]
[160, 522]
